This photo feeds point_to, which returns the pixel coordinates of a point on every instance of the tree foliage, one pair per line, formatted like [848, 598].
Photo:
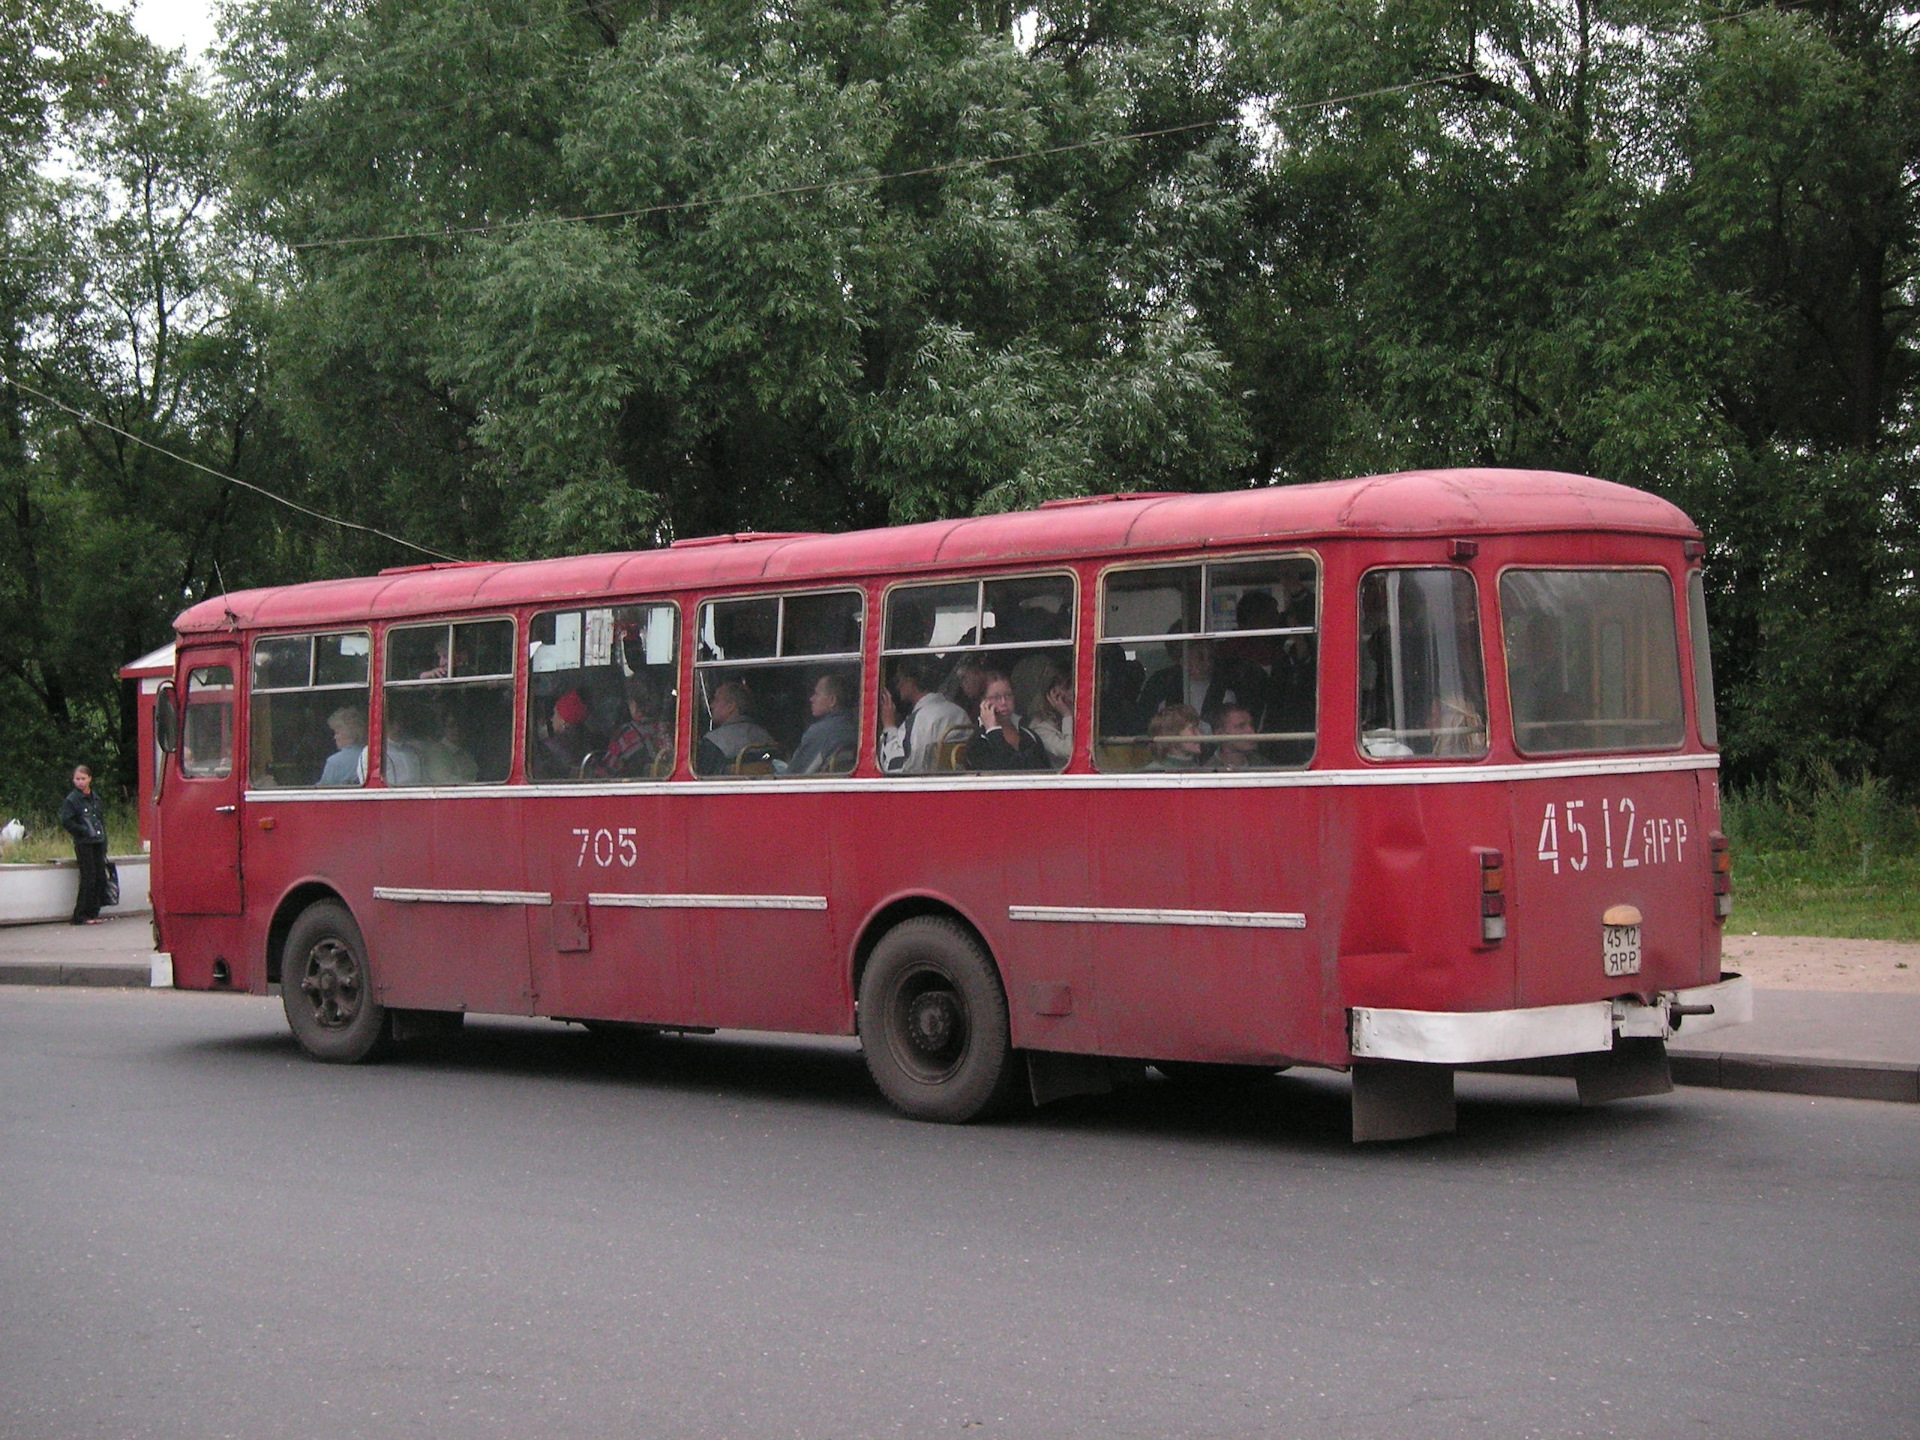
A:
[522, 277]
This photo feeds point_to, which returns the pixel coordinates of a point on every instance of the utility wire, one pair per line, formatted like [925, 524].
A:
[945, 167]
[219, 475]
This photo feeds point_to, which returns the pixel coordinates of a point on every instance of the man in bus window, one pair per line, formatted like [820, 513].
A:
[1203, 682]
[732, 731]
[1003, 743]
[834, 731]
[347, 764]
[910, 744]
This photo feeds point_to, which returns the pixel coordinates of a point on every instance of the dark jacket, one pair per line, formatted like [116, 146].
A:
[991, 752]
[82, 817]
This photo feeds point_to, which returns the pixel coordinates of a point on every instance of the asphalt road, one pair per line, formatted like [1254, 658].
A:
[526, 1233]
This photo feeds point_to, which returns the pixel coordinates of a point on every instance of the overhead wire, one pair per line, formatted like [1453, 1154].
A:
[817, 187]
[221, 475]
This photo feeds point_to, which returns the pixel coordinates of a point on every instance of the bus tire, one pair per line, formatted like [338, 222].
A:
[933, 1024]
[326, 988]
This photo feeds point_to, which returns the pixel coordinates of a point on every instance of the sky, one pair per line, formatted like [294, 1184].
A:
[175, 23]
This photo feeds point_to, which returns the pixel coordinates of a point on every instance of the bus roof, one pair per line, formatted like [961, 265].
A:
[1415, 503]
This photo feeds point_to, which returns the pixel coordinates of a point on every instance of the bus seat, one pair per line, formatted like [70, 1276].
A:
[1121, 755]
[754, 760]
[951, 747]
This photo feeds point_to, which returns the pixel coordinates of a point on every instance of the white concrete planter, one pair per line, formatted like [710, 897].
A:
[30, 893]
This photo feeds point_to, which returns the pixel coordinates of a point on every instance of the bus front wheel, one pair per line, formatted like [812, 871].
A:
[327, 989]
[933, 1024]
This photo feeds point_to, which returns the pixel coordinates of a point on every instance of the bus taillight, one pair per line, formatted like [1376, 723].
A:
[1493, 897]
[1721, 850]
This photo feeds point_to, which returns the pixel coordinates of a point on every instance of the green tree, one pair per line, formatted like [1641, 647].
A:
[839, 351]
[126, 298]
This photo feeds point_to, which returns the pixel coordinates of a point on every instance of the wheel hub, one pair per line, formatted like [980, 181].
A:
[332, 984]
[933, 1024]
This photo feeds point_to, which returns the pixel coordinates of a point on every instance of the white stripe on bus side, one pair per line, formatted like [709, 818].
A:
[410, 895]
[1103, 915]
[710, 902]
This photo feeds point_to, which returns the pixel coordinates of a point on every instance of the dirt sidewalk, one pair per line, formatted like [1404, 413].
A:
[1815, 962]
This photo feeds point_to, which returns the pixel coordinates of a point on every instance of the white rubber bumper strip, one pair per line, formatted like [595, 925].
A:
[1453, 1037]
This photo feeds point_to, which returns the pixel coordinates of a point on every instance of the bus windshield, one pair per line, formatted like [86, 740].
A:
[1593, 662]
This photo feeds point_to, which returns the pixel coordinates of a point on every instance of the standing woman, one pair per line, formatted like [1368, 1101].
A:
[83, 819]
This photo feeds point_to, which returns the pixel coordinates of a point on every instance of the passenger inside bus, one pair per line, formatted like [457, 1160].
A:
[1176, 739]
[348, 763]
[910, 742]
[1002, 742]
[1235, 748]
[1048, 707]
[1214, 637]
[643, 745]
[828, 744]
[733, 730]
[1204, 681]
[568, 740]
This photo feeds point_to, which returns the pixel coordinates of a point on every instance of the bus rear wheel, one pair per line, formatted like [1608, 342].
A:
[326, 988]
[933, 1024]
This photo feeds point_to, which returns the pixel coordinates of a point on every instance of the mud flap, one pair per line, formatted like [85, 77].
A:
[425, 1024]
[1054, 1076]
[1401, 1100]
[1633, 1067]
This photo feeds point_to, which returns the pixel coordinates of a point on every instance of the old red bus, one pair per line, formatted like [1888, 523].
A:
[1391, 775]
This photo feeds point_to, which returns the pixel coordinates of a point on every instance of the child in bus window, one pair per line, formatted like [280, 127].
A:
[1177, 743]
[1237, 750]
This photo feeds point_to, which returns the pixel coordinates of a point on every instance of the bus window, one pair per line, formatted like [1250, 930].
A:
[309, 704]
[1208, 666]
[779, 684]
[1423, 691]
[1593, 662]
[1702, 660]
[206, 732]
[446, 709]
[603, 696]
[958, 651]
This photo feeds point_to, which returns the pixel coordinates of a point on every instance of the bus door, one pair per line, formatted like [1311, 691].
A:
[201, 813]
[611, 943]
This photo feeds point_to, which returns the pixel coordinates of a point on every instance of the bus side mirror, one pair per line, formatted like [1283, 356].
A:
[166, 720]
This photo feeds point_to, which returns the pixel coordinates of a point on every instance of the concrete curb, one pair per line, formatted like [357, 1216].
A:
[1799, 1075]
[108, 974]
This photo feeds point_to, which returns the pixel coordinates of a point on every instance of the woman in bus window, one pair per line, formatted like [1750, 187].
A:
[1002, 742]
[1049, 712]
[348, 763]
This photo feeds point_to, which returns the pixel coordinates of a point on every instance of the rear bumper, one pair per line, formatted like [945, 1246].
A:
[1452, 1037]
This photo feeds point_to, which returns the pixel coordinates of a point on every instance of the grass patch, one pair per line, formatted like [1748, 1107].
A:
[47, 841]
[1792, 893]
[1817, 854]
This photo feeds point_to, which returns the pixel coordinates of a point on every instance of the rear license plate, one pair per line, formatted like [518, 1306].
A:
[1620, 949]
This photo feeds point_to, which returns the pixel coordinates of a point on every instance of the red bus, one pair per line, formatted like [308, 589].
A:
[1391, 775]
